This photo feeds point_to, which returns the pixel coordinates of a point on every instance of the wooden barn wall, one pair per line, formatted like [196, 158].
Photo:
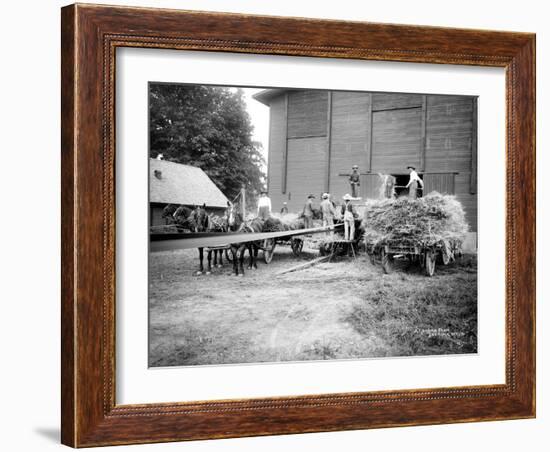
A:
[396, 139]
[307, 113]
[349, 137]
[306, 170]
[277, 144]
[449, 141]
[449, 134]
[382, 101]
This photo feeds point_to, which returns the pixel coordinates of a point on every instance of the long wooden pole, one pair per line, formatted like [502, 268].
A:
[243, 202]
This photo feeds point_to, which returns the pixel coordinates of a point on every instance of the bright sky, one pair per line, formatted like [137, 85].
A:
[259, 115]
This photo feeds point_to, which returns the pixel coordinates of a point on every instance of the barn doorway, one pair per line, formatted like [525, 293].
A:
[401, 181]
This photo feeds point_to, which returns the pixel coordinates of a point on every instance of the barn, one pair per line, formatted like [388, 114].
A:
[174, 183]
[316, 136]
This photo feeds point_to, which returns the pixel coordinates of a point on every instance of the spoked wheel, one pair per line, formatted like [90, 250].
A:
[269, 248]
[228, 255]
[430, 263]
[296, 245]
[387, 261]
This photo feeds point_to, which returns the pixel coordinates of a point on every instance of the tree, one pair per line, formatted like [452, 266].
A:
[207, 127]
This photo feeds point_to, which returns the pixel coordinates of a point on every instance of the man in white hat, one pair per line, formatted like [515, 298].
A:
[264, 206]
[414, 181]
[349, 214]
[328, 211]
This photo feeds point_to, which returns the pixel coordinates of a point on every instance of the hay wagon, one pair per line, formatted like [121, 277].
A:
[427, 256]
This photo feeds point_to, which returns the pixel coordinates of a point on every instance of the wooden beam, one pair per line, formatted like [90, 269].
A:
[285, 151]
[303, 266]
[329, 144]
[473, 174]
[369, 138]
[424, 114]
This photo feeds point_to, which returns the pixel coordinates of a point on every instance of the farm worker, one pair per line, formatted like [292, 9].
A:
[348, 212]
[264, 206]
[354, 181]
[414, 180]
[284, 209]
[328, 212]
[308, 212]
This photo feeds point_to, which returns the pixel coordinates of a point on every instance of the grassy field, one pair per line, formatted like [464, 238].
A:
[345, 309]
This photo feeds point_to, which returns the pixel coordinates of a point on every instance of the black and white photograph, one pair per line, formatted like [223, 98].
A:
[295, 224]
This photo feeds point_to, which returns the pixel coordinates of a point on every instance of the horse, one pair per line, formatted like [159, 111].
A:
[201, 221]
[177, 216]
[238, 249]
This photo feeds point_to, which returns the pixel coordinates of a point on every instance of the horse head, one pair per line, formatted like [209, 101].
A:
[199, 219]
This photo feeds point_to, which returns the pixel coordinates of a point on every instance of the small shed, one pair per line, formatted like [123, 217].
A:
[175, 183]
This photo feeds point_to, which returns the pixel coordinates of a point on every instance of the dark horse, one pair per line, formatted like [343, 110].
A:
[179, 216]
[238, 249]
[200, 221]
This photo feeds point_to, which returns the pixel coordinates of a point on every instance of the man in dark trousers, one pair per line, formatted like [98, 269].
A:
[308, 212]
[354, 181]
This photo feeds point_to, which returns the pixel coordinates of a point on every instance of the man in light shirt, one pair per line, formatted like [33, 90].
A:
[414, 181]
[264, 206]
[328, 212]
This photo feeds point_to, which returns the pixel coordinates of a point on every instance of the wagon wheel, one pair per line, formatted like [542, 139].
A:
[387, 261]
[228, 255]
[296, 245]
[269, 247]
[430, 263]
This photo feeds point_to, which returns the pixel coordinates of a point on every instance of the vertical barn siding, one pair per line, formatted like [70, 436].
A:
[469, 201]
[449, 141]
[307, 113]
[277, 143]
[443, 183]
[384, 101]
[449, 133]
[349, 137]
[306, 170]
[396, 139]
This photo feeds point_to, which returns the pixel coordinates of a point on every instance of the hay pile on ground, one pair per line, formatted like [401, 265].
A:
[432, 220]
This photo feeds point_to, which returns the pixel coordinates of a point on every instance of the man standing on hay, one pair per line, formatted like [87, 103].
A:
[349, 214]
[264, 206]
[414, 180]
[328, 212]
[354, 181]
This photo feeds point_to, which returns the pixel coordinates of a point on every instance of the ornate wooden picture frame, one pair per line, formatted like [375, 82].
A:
[90, 37]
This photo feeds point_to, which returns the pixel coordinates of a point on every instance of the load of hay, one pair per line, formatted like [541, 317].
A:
[283, 222]
[432, 220]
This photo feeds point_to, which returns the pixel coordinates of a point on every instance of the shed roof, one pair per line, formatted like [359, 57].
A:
[175, 183]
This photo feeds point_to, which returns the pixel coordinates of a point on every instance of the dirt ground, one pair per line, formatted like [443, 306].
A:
[343, 309]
